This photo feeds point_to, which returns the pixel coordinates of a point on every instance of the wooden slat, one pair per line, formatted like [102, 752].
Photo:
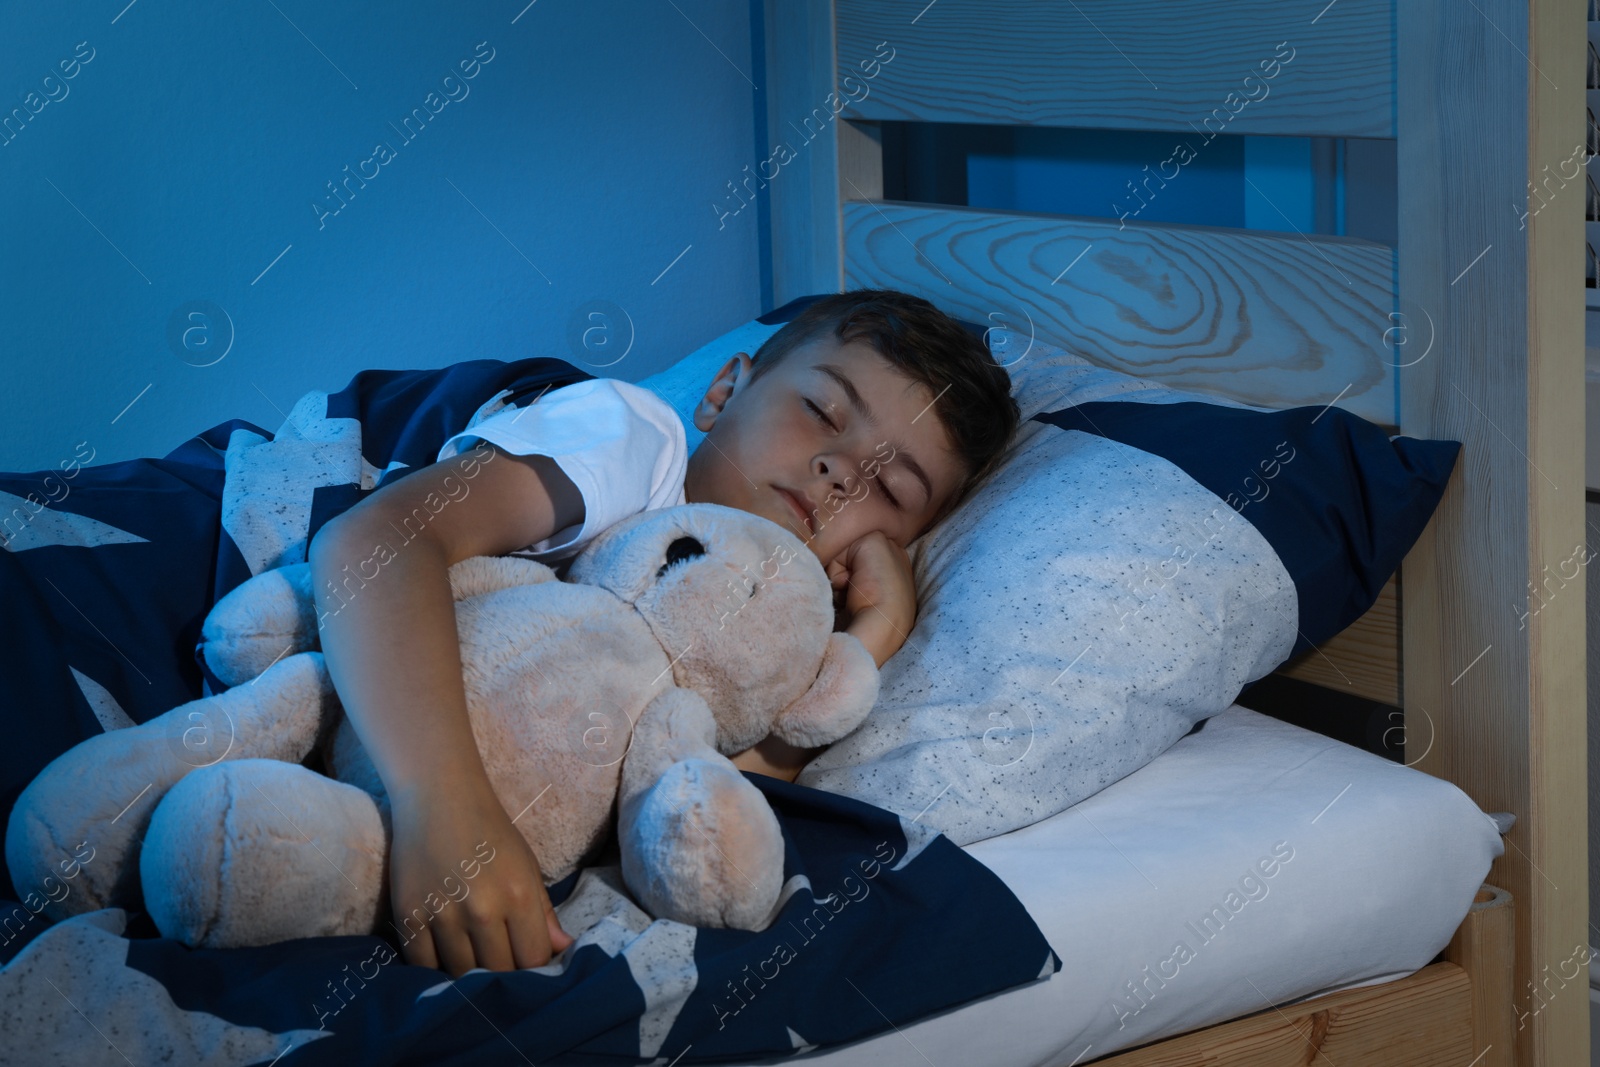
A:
[1364, 659]
[1490, 103]
[1422, 1020]
[1483, 946]
[860, 161]
[1124, 64]
[1268, 318]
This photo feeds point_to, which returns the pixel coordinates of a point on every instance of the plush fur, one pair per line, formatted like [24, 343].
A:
[681, 636]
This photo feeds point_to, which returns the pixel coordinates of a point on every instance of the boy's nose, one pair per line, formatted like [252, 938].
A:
[838, 470]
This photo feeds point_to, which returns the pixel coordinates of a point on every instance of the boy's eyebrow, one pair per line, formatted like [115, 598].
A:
[859, 402]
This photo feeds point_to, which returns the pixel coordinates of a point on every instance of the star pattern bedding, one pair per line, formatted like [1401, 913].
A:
[109, 572]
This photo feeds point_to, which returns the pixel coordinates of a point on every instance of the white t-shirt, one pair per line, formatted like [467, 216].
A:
[621, 444]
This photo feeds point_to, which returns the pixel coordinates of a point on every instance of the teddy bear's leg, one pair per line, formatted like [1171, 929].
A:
[87, 811]
[699, 843]
[253, 851]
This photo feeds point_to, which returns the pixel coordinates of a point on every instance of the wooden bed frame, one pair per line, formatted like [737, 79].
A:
[1471, 329]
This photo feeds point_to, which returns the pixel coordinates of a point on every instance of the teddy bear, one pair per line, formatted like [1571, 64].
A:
[610, 698]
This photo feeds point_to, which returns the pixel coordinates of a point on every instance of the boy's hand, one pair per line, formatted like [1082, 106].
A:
[475, 907]
[880, 596]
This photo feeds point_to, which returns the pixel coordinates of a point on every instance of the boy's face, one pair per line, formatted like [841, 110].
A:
[795, 447]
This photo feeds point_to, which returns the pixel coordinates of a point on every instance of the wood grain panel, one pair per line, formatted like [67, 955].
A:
[1422, 1020]
[1273, 319]
[1364, 659]
[1196, 67]
[1491, 102]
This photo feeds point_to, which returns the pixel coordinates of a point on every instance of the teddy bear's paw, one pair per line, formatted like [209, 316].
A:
[703, 847]
[259, 622]
[250, 852]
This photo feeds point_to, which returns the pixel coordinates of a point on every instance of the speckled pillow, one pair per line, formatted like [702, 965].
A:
[1141, 555]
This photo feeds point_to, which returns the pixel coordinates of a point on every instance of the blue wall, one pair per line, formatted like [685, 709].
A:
[1111, 173]
[1286, 184]
[186, 167]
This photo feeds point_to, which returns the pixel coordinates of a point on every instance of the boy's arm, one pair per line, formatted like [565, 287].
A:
[880, 600]
[393, 653]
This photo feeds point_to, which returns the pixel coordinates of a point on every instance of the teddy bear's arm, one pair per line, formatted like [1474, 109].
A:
[699, 843]
[260, 621]
[274, 614]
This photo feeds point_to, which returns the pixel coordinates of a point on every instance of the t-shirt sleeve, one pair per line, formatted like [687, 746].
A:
[621, 444]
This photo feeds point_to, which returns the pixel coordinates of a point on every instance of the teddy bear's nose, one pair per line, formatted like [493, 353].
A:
[681, 549]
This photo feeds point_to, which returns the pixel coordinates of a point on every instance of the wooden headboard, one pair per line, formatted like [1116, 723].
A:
[1471, 329]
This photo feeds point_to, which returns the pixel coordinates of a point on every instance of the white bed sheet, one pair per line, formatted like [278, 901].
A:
[1385, 863]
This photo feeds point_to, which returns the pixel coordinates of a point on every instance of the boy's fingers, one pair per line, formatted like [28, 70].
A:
[527, 947]
[455, 950]
[419, 951]
[491, 946]
[559, 938]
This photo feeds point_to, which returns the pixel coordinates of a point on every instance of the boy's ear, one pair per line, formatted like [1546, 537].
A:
[729, 381]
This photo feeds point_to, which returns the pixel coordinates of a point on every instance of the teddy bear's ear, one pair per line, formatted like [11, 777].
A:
[837, 702]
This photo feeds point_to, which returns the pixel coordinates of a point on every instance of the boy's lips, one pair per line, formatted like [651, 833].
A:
[801, 507]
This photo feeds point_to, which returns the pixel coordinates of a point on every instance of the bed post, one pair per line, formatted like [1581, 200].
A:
[807, 254]
[1490, 100]
[834, 159]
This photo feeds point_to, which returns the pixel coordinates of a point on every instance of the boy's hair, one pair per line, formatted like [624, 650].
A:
[972, 393]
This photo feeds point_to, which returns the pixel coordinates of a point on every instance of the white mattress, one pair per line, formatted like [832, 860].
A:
[1385, 863]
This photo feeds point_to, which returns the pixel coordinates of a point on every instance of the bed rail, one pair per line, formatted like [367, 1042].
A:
[1184, 305]
[1452, 1013]
[1130, 65]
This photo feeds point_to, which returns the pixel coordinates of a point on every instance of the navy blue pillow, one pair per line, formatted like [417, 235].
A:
[787, 312]
[779, 315]
[1339, 502]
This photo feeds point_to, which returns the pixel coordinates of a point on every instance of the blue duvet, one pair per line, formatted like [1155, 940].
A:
[109, 571]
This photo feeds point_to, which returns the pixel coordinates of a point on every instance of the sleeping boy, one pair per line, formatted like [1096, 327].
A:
[858, 425]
